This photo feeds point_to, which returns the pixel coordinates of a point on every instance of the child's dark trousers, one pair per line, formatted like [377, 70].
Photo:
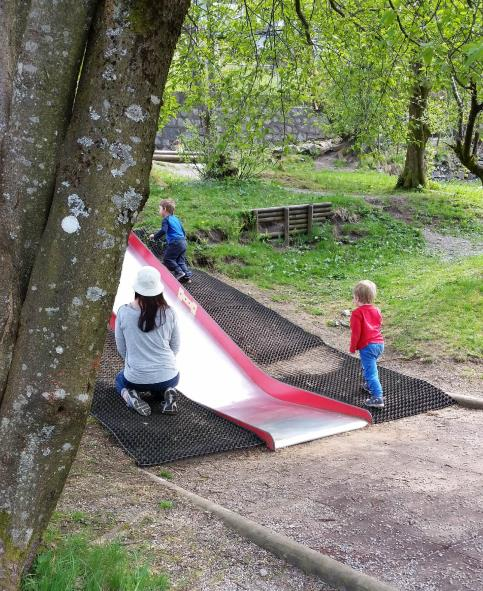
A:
[174, 257]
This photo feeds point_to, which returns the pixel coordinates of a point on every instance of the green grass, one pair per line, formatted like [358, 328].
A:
[166, 505]
[430, 307]
[449, 206]
[166, 474]
[76, 564]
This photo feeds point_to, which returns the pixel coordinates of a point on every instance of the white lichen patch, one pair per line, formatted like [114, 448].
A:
[34, 119]
[59, 349]
[135, 139]
[52, 311]
[121, 152]
[93, 114]
[29, 68]
[31, 46]
[94, 294]
[67, 446]
[129, 200]
[77, 301]
[58, 394]
[73, 260]
[24, 367]
[135, 113]
[85, 141]
[108, 240]
[70, 224]
[114, 32]
[155, 99]
[109, 74]
[77, 206]
[82, 398]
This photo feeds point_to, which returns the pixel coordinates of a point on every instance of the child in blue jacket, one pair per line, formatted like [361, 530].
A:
[174, 255]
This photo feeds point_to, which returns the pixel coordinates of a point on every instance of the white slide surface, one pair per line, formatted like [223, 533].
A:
[215, 373]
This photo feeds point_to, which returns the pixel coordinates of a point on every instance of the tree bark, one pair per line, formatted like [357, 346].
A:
[41, 104]
[101, 184]
[414, 172]
[468, 138]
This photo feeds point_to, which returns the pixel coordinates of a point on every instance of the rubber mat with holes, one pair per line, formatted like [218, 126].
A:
[279, 347]
[159, 438]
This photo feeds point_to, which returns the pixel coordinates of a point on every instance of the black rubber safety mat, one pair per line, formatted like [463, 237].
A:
[281, 348]
[159, 438]
[292, 355]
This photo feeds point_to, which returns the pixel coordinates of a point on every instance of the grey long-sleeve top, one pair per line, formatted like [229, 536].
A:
[149, 357]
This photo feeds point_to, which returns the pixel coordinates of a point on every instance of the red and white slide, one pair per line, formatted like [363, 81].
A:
[215, 373]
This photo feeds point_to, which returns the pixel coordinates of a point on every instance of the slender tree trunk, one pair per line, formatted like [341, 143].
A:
[101, 184]
[468, 138]
[414, 172]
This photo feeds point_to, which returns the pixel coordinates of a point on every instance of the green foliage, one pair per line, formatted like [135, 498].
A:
[76, 564]
[232, 67]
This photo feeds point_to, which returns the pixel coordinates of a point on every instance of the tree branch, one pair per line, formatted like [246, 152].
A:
[304, 22]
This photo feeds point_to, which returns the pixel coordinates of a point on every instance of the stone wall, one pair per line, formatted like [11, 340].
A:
[301, 124]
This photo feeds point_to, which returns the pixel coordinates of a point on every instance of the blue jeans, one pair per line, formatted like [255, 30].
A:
[369, 356]
[174, 257]
[155, 389]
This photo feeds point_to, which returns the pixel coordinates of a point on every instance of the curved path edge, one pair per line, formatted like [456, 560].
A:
[309, 561]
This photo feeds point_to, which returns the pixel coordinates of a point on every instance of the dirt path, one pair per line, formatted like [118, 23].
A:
[401, 501]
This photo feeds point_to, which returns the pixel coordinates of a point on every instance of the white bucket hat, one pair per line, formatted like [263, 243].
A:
[148, 282]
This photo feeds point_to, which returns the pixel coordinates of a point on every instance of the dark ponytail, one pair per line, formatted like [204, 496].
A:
[149, 310]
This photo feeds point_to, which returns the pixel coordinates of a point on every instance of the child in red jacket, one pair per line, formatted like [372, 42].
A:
[366, 338]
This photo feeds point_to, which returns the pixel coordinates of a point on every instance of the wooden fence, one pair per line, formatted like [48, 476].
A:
[283, 221]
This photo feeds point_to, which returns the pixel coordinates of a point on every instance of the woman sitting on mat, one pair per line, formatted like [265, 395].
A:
[147, 338]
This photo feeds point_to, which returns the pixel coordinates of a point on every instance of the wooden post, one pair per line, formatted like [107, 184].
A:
[310, 218]
[257, 229]
[286, 224]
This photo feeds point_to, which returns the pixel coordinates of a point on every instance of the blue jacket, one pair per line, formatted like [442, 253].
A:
[172, 228]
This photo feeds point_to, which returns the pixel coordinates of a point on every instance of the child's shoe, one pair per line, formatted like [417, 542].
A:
[133, 400]
[179, 276]
[170, 406]
[374, 402]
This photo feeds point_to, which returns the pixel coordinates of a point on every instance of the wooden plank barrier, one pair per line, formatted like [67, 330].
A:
[285, 220]
[172, 156]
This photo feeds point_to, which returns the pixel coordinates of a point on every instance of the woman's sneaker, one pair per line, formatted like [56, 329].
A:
[170, 407]
[133, 400]
[375, 402]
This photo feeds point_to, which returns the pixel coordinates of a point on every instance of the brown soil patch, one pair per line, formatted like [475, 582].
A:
[213, 236]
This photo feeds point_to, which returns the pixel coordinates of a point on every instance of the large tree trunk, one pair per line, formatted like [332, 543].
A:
[414, 172]
[41, 105]
[100, 185]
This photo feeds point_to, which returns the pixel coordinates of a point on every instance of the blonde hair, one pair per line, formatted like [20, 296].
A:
[365, 292]
[168, 204]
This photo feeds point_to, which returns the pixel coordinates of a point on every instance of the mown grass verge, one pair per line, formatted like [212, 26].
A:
[432, 308]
